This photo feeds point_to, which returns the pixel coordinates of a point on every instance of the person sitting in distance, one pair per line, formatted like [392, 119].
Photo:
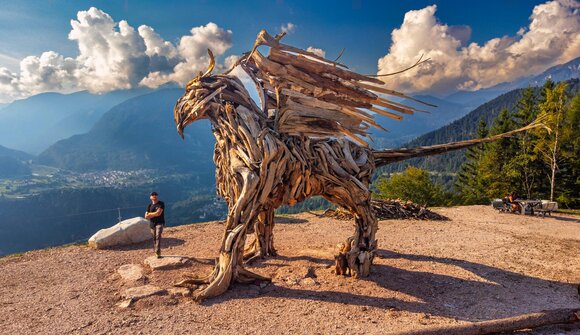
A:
[512, 197]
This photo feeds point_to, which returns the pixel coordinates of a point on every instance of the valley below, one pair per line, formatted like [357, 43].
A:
[54, 207]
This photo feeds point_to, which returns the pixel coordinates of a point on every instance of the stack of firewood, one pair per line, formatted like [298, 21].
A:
[386, 209]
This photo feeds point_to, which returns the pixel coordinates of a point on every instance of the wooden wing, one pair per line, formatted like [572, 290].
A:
[309, 95]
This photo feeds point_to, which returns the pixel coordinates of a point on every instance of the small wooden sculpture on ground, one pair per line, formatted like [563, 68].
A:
[303, 141]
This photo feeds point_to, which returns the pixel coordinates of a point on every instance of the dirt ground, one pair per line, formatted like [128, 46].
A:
[481, 265]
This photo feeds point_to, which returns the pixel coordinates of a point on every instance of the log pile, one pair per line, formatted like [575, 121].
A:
[386, 209]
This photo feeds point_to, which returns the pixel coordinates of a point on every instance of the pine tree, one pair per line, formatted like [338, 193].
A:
[469, 182]
[548, 86]
[497, 171]
[527, 167]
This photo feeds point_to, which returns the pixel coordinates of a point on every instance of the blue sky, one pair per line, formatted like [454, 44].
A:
[362, 27]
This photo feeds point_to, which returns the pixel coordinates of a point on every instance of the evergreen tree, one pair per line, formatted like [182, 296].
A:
[497, 171]
[527, 167]
[548, 86]
[469, 182]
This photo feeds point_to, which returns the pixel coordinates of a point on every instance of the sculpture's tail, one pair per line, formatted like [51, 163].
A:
[388, 156]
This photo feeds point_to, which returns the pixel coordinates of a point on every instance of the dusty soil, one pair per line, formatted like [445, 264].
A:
[480, 265]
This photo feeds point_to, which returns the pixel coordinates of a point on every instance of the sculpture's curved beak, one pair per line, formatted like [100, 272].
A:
[188, 109]
[180, 114]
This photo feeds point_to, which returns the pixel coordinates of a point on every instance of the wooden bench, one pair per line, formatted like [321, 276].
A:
[547, 208]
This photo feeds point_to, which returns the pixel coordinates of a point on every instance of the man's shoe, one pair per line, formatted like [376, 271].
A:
[158, 254]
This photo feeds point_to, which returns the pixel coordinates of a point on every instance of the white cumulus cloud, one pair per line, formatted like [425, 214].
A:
[316, 51]
[288, 28]
[114, 55]
[552, 37]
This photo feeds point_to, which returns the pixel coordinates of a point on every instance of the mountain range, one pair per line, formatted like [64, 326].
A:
[39, 122]
[34, 123]
[457, 105]
[465, 128]
[136, 134]
[473, 99]
[411, 126]
[17, 154]
[13, 163]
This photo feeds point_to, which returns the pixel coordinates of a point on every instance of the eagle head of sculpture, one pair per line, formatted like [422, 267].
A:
[199, 93]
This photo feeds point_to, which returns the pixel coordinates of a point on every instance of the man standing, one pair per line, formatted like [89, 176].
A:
[155, 214]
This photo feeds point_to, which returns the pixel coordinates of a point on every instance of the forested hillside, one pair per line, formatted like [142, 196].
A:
[462, 129]
[541, 163]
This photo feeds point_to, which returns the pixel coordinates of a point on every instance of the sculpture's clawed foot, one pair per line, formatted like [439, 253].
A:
[246, 277]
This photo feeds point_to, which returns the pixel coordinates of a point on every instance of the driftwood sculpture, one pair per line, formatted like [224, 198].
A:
[302, 141]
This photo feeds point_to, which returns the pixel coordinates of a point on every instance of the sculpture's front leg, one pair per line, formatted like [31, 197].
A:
[229, 266]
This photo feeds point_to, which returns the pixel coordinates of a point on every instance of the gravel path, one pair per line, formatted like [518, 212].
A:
[480, 265]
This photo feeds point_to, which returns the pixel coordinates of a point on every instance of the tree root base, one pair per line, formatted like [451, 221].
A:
[241, 275]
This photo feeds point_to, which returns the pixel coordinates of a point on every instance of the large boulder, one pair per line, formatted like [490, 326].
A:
[130, 231]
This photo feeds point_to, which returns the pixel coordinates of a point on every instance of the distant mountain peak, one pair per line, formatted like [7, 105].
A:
[560, 72]
[557, 73]
[21, 155]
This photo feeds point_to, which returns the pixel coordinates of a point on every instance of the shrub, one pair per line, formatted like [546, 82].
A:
[413, 184]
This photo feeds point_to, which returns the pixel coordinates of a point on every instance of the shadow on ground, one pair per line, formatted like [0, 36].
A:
[565, 218]
[165, 242]
[283, 220]
[437, 294]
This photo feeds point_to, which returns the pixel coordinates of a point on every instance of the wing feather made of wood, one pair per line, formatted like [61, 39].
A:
[309, 95]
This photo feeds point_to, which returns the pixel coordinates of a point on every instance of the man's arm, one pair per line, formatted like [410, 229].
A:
[149, 215]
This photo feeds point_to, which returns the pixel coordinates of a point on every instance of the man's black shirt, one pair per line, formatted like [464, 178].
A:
[153, 208]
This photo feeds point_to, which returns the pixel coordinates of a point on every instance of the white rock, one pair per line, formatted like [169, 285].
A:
[125, 303]
[140, 292]
[131, 272]
[130, 231]
[166, 262]
[308, 282]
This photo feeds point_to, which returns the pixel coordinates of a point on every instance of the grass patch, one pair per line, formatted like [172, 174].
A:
[18, 254]
[568, 211]
[81, 243]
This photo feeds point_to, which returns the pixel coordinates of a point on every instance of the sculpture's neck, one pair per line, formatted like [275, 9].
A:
[232, 121]
[236, 116]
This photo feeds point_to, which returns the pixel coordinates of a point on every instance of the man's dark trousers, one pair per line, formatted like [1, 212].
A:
[156, 231]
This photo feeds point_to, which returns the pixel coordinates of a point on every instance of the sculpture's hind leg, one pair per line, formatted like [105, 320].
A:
[263, 244]
[229, 265]
[359, 250]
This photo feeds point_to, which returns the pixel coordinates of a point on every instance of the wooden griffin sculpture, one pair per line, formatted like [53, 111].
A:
[304, 140]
